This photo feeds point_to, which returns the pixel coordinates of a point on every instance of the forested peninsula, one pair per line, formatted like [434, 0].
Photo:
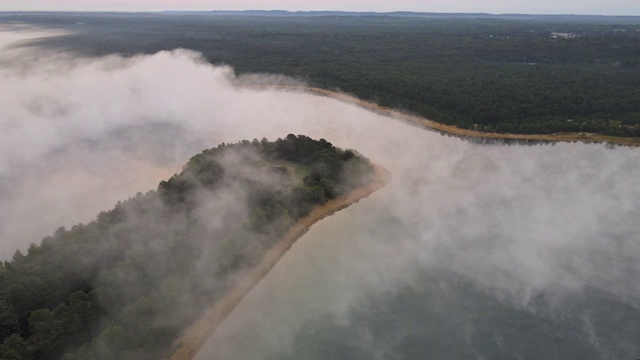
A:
[127, 284]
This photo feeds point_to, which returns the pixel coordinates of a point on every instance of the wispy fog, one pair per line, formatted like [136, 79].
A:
[544, 234]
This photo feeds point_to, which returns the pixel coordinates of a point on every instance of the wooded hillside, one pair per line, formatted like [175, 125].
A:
[124, 285]
[507, 74]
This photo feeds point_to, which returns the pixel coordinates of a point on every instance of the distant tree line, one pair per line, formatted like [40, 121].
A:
[124, 285]
[499, 75]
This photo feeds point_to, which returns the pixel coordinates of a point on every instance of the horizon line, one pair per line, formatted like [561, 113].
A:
[307, 12]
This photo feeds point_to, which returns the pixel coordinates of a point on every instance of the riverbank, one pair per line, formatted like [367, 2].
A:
[192, 340]
[464, 133]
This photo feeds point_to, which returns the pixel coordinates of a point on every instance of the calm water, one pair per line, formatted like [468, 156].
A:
[473, 251]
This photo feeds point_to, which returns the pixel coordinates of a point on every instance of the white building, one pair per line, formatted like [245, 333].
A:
[558, 35]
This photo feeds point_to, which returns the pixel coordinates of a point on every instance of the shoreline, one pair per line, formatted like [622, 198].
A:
[462, 133]
[196, 335]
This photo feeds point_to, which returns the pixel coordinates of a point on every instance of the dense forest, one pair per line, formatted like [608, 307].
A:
[124, 285]
[519, 74]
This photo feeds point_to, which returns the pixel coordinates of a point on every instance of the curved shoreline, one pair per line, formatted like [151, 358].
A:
[195, 337]
[463, 133]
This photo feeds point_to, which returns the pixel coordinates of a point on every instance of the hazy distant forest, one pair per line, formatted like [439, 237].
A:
[500, 74]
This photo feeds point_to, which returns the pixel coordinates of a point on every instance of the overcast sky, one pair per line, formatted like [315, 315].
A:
[612, 7]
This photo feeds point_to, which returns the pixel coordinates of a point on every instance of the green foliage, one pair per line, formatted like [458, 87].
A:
[495, 74]
[46, 330]
[124, 285]
[14, 347]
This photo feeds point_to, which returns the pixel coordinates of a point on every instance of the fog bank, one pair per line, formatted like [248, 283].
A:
[528, 229]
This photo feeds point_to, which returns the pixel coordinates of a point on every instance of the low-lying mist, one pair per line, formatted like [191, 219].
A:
[517, 251]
